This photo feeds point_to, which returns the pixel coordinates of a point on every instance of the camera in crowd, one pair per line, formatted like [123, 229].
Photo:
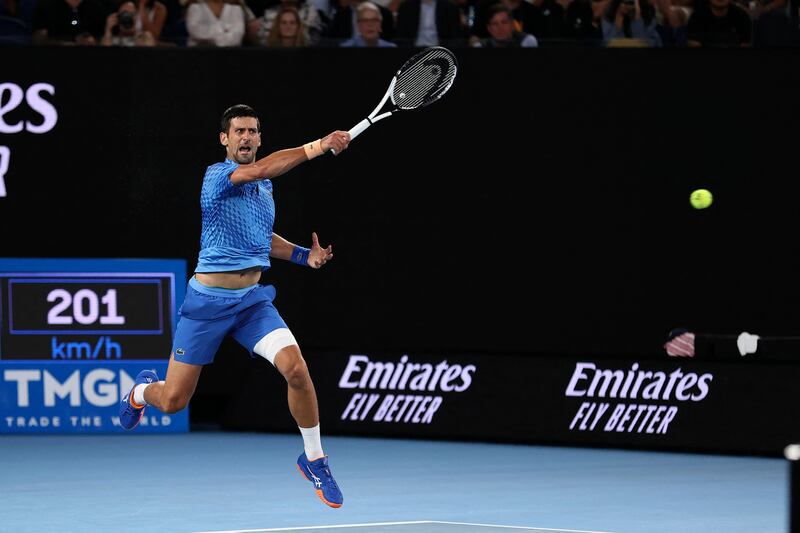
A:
[126, 20]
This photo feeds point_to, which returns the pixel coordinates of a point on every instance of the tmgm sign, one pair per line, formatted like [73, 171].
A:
[81, 397]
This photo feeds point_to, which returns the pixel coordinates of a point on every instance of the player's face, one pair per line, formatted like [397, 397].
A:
[242, 140]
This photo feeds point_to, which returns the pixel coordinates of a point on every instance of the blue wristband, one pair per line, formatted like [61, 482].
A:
[300, 255]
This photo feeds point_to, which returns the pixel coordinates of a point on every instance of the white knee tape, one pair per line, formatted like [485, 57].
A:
[273, 342]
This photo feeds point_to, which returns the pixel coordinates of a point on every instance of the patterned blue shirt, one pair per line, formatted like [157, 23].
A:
[237, 221]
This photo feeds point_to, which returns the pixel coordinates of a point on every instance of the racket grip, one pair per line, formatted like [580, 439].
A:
[356, 130]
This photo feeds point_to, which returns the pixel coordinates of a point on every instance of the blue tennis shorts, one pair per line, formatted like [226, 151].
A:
[209, 314]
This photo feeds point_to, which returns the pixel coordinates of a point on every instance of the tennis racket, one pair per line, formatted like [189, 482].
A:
[421, 81]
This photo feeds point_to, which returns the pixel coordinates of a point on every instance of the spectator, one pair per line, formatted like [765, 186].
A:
[121, 28]
[391, 5]
[252, 23]
[526, 15]
[174, 31]
[369, 20]
[582, 24]
[631, 23]
[258, 6]
[344, 25]
[772, 25]
[543, 18]
[719, 23]
[467, 10]
[547, 21]
[13, 31]
[502, 33]
[314, 21]
[287, 31]
[429, 23]
[217, 23]
[672, 18]
[326, 8]
[150, 17]
[68, 22]
[479, 26]
[599, 8]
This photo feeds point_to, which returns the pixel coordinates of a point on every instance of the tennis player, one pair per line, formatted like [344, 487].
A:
[224, 296]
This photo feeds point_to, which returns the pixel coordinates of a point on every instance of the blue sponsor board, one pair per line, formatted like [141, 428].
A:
[79, 397]
[74, 333]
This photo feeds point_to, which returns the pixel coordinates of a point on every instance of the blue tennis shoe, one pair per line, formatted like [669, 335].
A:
[129, 413]
[318, 473]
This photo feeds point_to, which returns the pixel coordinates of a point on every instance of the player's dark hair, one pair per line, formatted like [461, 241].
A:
[236, 111]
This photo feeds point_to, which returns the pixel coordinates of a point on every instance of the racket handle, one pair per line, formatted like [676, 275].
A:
[356, 130]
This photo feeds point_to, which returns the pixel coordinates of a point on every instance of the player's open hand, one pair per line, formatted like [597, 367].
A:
[336, 141]
[318, 255]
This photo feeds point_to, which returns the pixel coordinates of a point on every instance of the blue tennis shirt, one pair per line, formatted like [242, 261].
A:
[237, 221]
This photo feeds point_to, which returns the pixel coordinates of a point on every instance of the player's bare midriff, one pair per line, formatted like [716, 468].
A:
[237, 279]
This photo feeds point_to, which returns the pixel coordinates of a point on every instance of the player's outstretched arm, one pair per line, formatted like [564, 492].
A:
[315, 257]
[282, 161]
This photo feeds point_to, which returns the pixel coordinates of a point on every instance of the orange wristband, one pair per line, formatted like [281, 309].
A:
[313, 149]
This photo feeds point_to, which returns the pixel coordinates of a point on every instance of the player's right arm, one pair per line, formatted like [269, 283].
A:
[282, 161]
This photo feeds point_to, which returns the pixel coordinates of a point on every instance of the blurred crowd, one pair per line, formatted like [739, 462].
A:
[409, 23]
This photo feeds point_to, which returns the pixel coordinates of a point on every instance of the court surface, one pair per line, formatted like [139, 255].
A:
[225, 482]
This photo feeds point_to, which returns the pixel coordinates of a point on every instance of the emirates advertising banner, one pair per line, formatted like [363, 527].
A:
[737, 407]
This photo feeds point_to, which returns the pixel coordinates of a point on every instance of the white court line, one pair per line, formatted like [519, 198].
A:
[399, 524]
[318, 527]
[515, 527]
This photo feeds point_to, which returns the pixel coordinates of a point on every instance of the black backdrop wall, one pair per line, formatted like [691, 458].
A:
[540, 208]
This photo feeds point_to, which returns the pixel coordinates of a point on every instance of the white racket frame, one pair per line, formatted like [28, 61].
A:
[356, 130]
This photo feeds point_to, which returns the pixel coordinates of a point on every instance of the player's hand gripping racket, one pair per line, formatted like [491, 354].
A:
[421, 81]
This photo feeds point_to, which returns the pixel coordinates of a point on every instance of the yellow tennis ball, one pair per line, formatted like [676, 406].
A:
[701, 198]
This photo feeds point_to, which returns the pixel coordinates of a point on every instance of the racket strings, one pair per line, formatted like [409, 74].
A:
[424, 78]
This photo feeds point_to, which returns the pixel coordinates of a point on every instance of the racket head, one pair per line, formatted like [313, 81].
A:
[424, 78]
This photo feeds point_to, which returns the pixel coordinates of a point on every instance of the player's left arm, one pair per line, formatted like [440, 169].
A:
[315, 257]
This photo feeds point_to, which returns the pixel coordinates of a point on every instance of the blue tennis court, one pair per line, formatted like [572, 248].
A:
[226, 482]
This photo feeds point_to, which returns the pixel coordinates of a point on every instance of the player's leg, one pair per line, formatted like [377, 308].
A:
[168, 396]
[262, 331]
[301, 395]
[312, 463]
[280, 348]
[172, 394]
[204, 322]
